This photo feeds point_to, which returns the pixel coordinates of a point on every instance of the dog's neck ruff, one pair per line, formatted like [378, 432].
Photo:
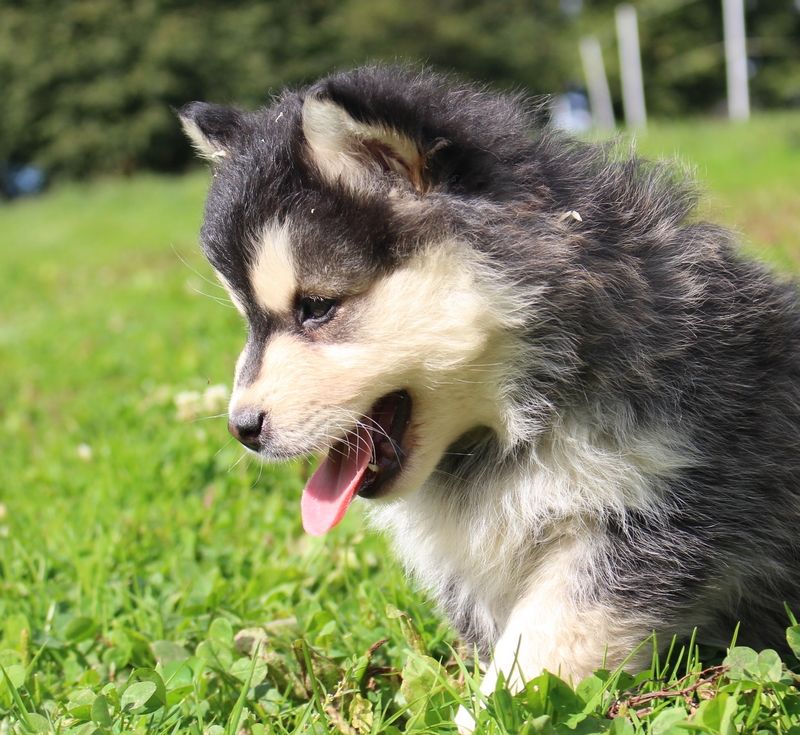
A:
[475, 540]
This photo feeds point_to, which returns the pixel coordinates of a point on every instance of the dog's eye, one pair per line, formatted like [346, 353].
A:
[314, 311]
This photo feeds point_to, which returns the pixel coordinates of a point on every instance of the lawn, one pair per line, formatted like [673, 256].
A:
[154, 580]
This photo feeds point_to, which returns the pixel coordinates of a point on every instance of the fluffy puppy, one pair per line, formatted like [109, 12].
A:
[574, 408]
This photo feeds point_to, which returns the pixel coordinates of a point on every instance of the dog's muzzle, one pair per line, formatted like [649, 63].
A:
[249, 426]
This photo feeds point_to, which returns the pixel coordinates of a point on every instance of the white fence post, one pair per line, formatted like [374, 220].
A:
[630, 66]
[736, 59]
[597, 83]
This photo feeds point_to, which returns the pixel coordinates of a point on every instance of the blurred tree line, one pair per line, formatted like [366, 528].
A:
[88, 84]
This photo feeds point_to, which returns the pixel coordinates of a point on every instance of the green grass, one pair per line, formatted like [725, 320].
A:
[142, 563]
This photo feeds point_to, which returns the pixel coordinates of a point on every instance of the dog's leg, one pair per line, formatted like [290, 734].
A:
[568, 643]
[554, 629]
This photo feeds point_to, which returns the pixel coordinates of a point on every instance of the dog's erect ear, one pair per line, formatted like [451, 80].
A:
[213, 129]
[353, 152]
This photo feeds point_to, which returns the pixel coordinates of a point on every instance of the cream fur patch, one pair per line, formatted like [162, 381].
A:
[204, 146]
[272, 275]
[340, 145]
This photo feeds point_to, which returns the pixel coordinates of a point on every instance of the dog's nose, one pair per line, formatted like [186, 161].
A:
[246, 425]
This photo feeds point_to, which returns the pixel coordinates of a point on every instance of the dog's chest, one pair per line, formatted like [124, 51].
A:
[481, 546]
[473, 583]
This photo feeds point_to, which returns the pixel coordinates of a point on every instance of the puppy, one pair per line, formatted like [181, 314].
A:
[574, 408]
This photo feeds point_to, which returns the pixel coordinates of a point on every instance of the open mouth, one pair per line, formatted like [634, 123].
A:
[365, 462]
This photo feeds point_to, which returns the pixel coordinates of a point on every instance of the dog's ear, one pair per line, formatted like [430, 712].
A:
[354, 152]
[213, 129]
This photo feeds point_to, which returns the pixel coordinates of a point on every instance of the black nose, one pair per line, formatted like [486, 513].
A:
[246, 425]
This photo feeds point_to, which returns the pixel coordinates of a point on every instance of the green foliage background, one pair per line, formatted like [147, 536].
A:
[88, 84]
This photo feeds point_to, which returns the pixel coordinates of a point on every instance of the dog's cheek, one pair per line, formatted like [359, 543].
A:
[430, 314]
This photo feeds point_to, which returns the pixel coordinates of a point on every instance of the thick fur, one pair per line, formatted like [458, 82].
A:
[606, 422]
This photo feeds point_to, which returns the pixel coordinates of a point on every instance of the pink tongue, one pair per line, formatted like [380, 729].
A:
[332, 486]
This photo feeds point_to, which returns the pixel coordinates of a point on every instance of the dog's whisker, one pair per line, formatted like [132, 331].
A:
[195, 271]
[461, 381]
[207, 418]
[371, 425]
[364, 439]
[236, 463]
[222, 302]
[258, 478]
[446, 474]
[391, 441]
[223, 447]
[337, 439]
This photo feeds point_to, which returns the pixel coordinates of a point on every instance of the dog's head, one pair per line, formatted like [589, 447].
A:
[342, 220]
